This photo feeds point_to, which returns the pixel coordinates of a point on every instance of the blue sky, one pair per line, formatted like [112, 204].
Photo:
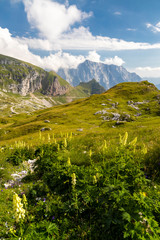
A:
[64, 33]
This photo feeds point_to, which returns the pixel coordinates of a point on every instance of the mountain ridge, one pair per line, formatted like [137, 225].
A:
[106, 75]
[20, 77]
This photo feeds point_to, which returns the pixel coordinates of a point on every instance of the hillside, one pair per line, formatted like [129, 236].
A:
[106, 75]
[124, 106]
[23, 78]
[91, 87]
[88, 169]
[25, 88]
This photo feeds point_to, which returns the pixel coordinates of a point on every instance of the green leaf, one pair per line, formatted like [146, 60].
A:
[126, 216]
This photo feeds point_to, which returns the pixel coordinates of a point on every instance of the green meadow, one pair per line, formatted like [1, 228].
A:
[88, 169]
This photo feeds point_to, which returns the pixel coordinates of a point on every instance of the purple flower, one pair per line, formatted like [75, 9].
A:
[53, 218]
[146, 176]
[44, 199]
[1, 190]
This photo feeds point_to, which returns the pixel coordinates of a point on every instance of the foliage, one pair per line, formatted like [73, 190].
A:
[20, 154]
[110, 199]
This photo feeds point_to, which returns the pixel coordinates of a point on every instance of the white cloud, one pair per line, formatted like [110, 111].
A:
[93, 56]
[115, 61]
[149, 72]
[117, 13]
[131, 29]
[52, 19]
[61, 60]
[82, 39]
[55, 24]
[12, 47]
[154, 28]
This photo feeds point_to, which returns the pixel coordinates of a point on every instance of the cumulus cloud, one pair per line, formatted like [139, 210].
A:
[11, 47]
[150, 72]
[115, 61]
[51, 18]
[154, 28]
[61, 60]
[82, 39]
[55, 23]
[93, 56]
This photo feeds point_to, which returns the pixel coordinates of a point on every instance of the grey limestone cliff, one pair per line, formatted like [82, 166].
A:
[24, 78]
[106, 75]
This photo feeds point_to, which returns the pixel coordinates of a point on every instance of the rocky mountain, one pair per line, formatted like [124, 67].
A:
[23, 78]
[106, 75]
[25, 88]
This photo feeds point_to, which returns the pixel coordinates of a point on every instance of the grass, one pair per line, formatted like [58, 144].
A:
[80, 114]
[116, 190]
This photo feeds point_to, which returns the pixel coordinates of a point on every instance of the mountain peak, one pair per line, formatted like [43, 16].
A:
[106, 75]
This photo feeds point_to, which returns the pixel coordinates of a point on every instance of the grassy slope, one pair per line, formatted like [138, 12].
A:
[81, 114]
[91, 87]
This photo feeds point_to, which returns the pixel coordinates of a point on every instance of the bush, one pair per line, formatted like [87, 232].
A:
[110, 200]
[18, 155]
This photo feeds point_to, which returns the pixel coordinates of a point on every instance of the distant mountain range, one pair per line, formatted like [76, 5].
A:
[106, 75]
[24, 78]
[25, 87]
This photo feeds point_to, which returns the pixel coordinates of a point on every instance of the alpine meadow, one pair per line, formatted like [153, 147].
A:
[79, 120]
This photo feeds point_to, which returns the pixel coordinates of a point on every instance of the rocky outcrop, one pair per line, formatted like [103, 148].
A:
[29, 84]
[54, 88]
[23, 78]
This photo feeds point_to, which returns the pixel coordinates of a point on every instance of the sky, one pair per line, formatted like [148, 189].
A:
[64, 33]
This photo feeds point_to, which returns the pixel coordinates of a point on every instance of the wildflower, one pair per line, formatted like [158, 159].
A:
[53, 218]
[49, 138]
[71, 135]
[144, 149]
[12, 230]
[105, 144]
[65, 142]
[132, 143]
[123, 140]
[44, 199]
[94, 179]
[69, 162]
[90, 153]
[19, 211]
[73, 179]
[24, 200]
[143, 194]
